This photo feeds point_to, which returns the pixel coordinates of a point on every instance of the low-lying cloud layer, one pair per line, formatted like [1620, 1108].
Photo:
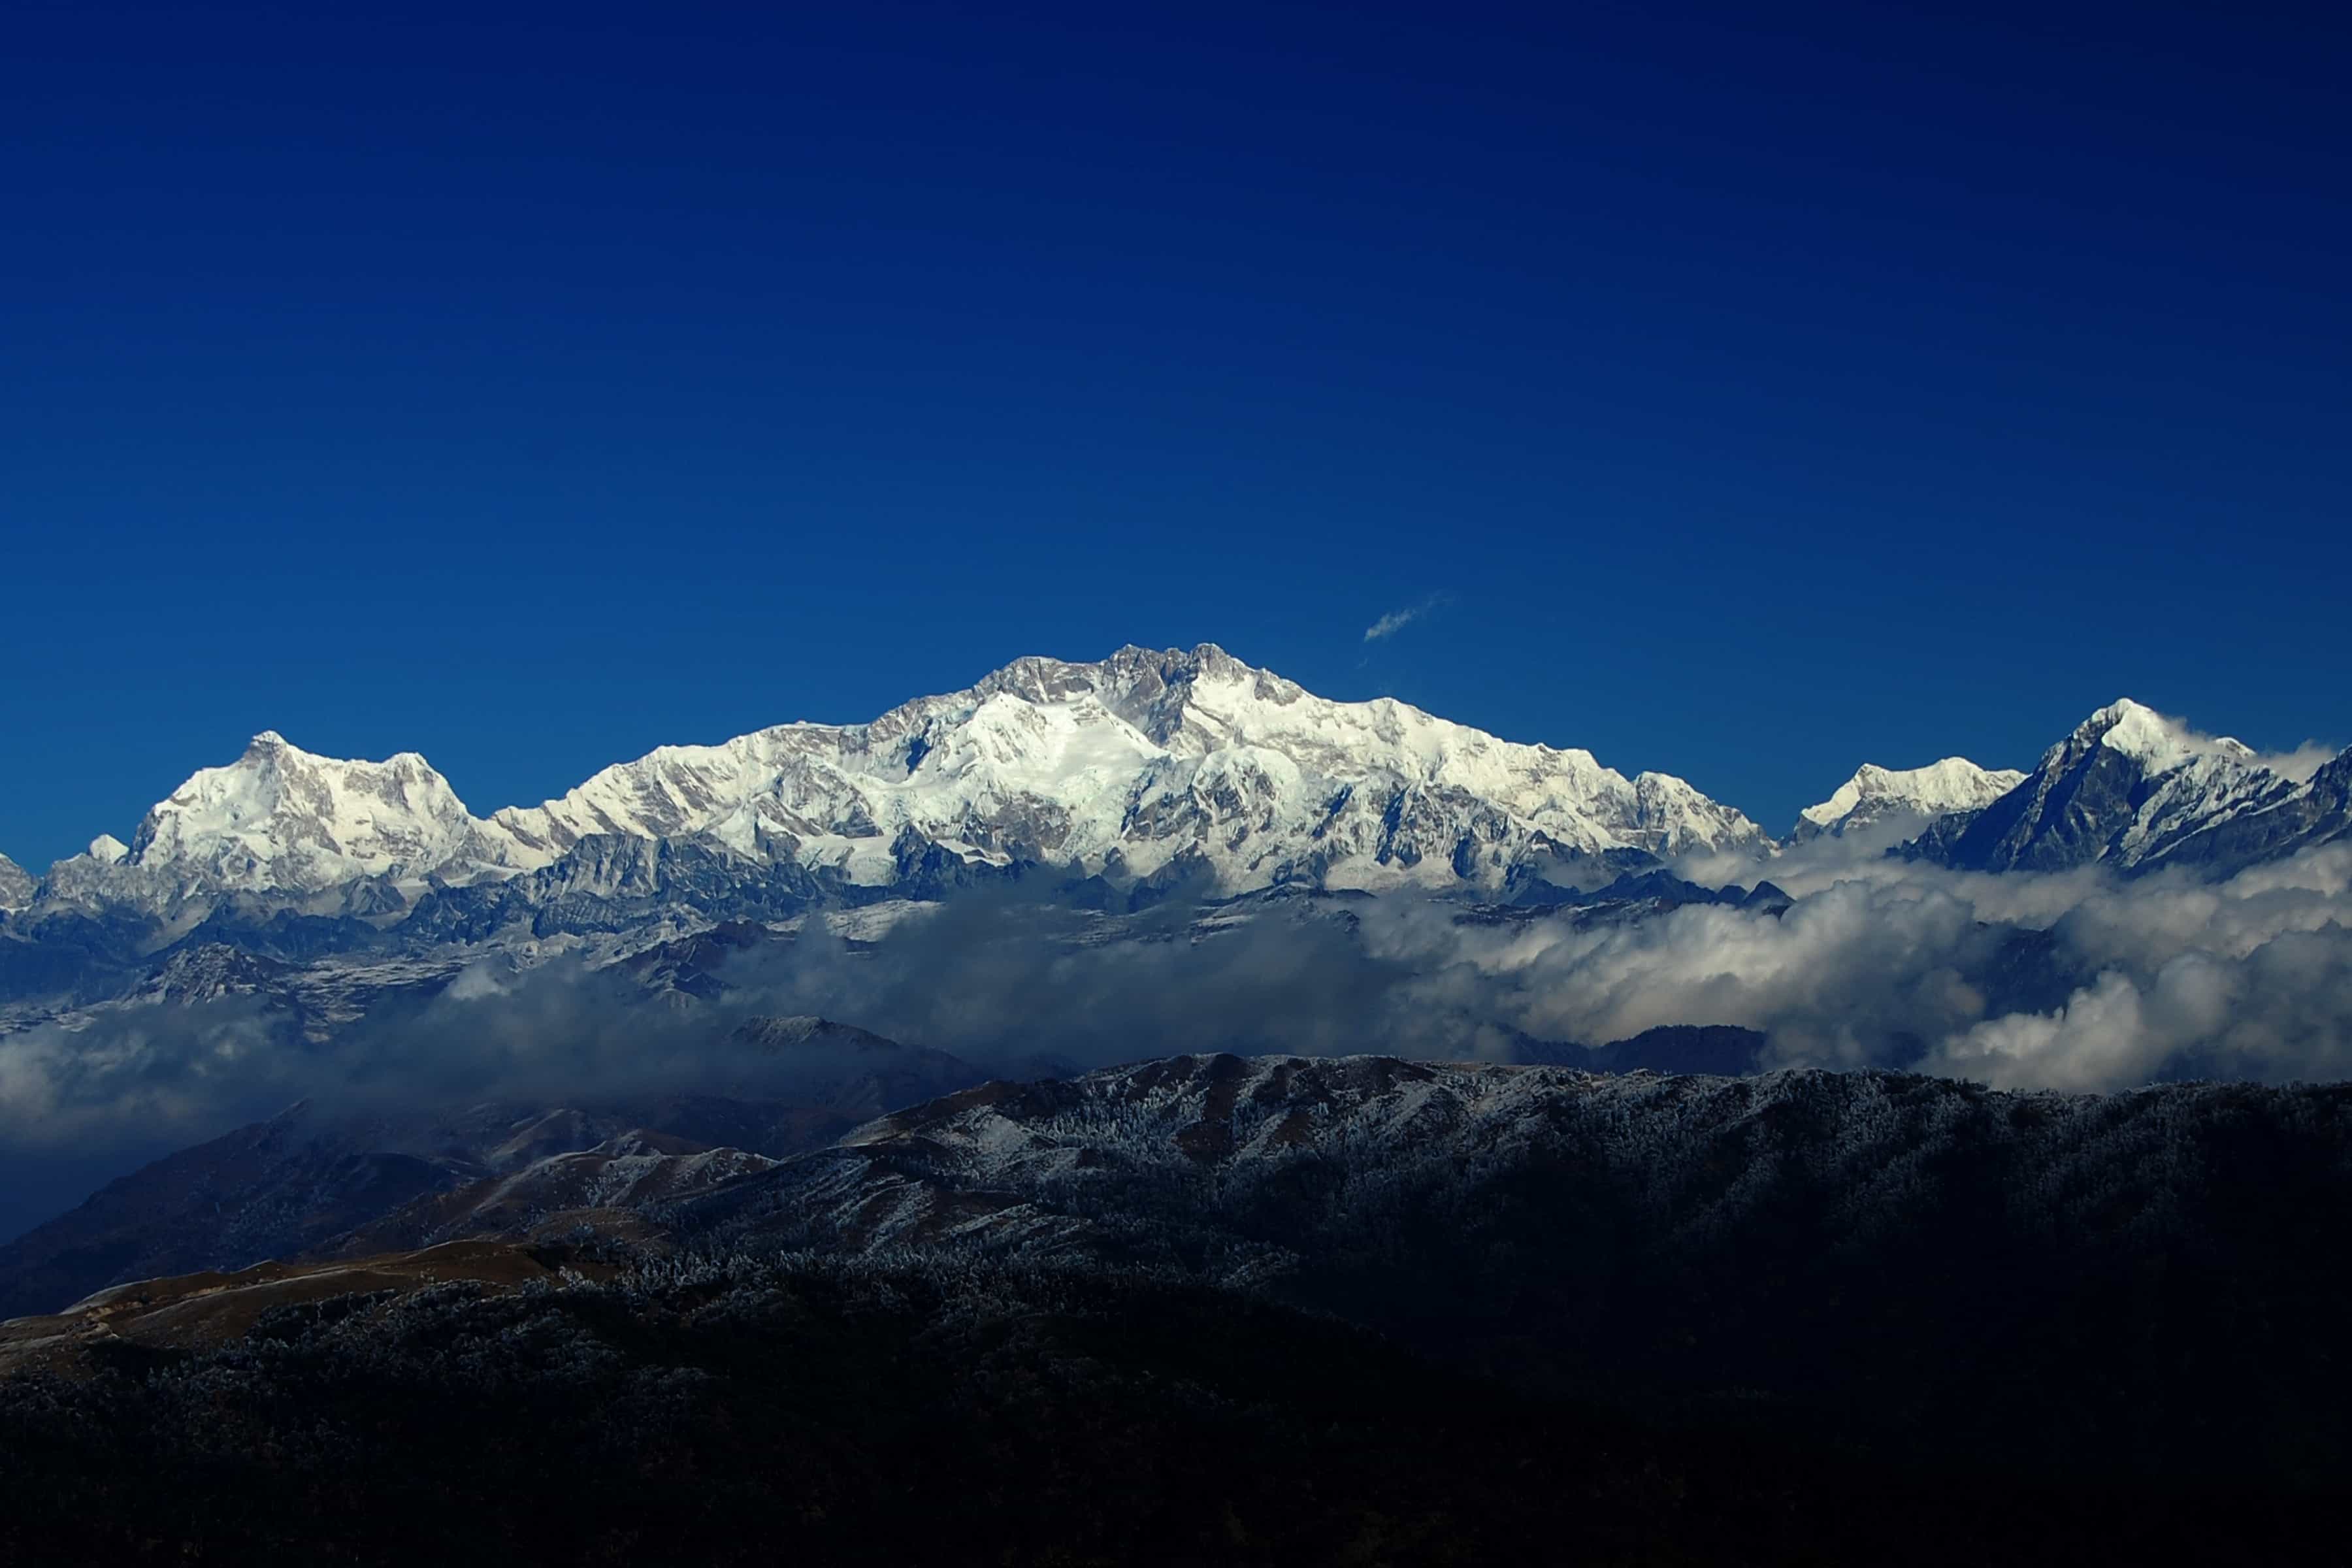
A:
[2163, 976]
[2077, 981]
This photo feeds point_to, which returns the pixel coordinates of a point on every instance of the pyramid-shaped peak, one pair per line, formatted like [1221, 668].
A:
[2157, 740]
[284, 818]
[2124, 713]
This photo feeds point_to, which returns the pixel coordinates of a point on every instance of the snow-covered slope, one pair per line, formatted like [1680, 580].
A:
[1148, 764]
[15, 885]
[1134, 765]
[2134, 789]
[283, 820]
[1876, 796]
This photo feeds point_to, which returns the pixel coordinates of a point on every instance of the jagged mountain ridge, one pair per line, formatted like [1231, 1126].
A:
[1812, 1239]
[323, 835]
[1135, 762]
[15, 885]
[107, 934]
[1143, 771]
[283, 819]
[2136, 791]
[1803, 1236]
[1147, 764]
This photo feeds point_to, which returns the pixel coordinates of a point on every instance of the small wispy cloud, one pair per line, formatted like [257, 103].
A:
[1395, 621]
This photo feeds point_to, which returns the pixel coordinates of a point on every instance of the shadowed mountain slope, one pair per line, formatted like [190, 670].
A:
[1268, 1308]
[301, 1181]
[1917, 1256]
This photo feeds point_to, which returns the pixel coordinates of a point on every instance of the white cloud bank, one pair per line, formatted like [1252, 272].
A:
[2075, 982]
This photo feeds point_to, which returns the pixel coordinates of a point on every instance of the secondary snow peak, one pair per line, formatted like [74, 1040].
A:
[2135, 789]
[1876, 795]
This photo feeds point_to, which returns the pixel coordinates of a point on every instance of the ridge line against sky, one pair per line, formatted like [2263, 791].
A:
[2296, 762]
[1769, 396]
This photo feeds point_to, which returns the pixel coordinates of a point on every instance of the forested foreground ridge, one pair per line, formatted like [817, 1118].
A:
[819, 1410]
[1215, 1308]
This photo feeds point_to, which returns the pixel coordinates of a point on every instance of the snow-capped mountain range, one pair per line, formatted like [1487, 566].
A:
[1145, 765]
[1145, 769]
[1142, 760]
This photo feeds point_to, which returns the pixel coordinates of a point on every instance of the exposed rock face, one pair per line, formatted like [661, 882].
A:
[15, 885]
[2319, 811]
[2136, 791]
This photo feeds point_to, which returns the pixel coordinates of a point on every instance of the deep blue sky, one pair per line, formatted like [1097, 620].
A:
[1765, 389]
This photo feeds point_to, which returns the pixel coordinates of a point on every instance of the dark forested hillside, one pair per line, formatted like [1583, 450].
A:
[2145, 1283]
[315, 1177]
[1283, 1309]
[809, 1411]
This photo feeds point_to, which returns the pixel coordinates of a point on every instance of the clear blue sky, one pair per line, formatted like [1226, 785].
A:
[1765, 389]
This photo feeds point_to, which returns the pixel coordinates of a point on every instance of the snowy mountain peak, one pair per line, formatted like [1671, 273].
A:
[1176, 698]
[15, 885]
[280, 818]
[2158, 742]
[1875, 793]
[1150, 760]
[2134, 789]
[1145, 769]
[1151, 763]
